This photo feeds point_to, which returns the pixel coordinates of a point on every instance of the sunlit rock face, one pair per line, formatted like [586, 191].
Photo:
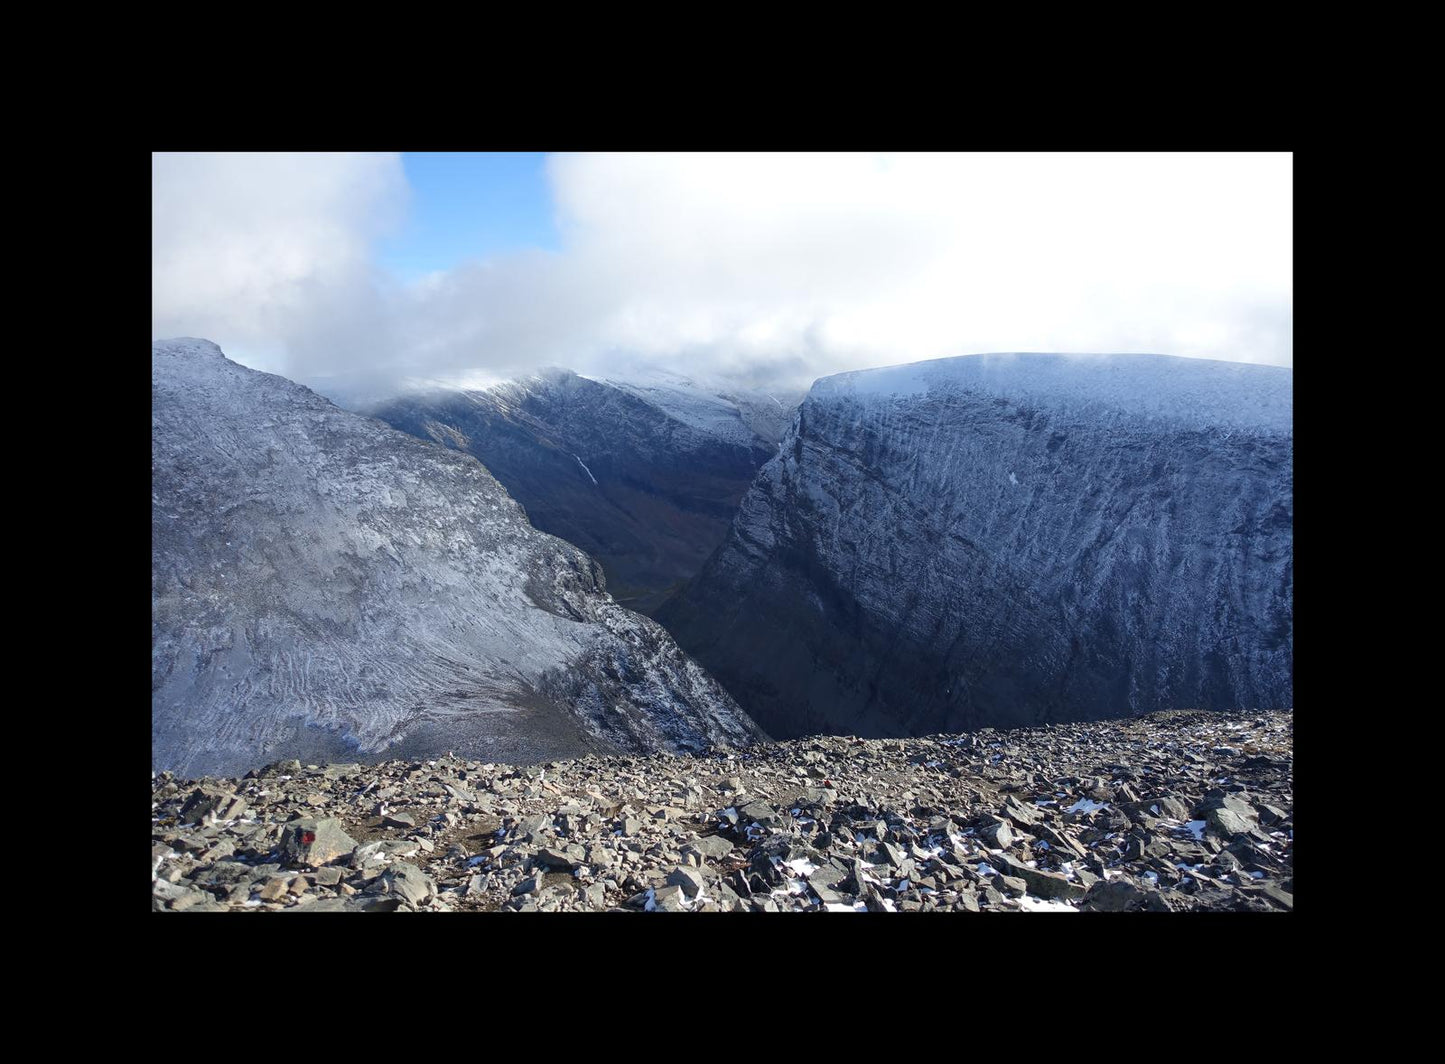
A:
[1009, 539]
[328, 588]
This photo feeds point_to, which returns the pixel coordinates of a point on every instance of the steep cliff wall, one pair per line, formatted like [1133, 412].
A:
[1006, 540]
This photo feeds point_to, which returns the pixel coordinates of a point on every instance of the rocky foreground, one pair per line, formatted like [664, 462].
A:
[1169, 812]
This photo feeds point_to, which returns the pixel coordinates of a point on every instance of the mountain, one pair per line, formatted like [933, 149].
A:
[326, 587]
[644, 474]
[1009, 540]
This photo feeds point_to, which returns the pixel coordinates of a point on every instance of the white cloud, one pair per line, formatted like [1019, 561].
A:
[759, 265]
[270, 253]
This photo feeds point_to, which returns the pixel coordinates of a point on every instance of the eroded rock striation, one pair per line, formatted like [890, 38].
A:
[327, 587]
[1007, 540]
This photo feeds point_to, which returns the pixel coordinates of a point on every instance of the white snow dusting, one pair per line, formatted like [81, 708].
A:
[585, 469]
[1193, 392]
[1031, 904]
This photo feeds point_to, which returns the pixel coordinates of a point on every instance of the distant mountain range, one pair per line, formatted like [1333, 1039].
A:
[645, 474]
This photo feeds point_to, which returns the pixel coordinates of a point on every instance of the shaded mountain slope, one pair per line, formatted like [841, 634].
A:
[1008, 540]
[643, 475]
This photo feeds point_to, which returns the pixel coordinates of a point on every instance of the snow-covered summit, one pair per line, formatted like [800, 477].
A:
[187, 346]
[715, 408]
[1185, 392]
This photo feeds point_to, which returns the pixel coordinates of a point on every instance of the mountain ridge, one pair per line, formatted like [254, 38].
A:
[643, 476]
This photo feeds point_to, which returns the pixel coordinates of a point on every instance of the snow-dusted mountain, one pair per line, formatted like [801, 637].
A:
[643, 473]
[326, 587]
[1009, 539]
[714, 408]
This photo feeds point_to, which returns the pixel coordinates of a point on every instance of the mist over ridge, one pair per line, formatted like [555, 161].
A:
[762, 270]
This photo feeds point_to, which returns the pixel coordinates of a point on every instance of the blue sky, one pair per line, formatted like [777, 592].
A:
[469, 205]
[756, 267]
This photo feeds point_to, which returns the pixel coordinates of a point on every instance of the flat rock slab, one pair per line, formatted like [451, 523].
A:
[409, 883]
[712, 846]
[1112, 896]
[316, 842]
[1040, 884]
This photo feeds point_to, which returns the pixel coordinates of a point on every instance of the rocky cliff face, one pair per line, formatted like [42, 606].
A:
[327, 587]
[644, 475]
[1007, 540]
